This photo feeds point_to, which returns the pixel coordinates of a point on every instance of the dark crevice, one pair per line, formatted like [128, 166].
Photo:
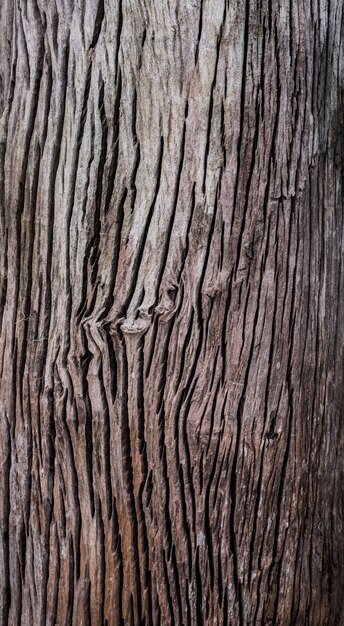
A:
[199, 587]
[242, 106]
[128, 471]
[69, 616]
[98, 23]
[143, 240]
[200, 26]
[119, 32]
[175, 199]
[210, 112]
[106, 430]
[109, 300]
[172, 620]
[111, 176]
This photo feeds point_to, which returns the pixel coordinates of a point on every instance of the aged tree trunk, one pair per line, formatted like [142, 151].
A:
[172, 312]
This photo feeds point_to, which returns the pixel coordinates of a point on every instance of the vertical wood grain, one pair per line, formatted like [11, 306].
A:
[172, 313]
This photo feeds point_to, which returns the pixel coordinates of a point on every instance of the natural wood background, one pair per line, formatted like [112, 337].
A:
[172, 312]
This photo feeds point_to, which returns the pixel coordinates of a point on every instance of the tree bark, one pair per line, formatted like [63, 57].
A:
[172, 312]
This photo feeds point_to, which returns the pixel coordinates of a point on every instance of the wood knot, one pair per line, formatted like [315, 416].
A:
[134, 326]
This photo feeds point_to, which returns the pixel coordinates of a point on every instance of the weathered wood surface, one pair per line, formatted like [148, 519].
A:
[172, 312]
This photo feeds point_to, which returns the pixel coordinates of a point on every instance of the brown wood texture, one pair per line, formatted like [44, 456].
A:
[172, 312]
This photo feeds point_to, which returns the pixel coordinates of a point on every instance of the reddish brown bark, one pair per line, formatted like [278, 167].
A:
[171, 308]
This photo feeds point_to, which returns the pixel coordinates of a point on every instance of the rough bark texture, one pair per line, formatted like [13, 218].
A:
[172, 312]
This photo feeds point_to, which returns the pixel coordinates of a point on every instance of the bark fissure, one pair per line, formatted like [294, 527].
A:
[171, 280]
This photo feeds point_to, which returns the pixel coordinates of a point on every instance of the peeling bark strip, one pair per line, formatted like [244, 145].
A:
[172, 313]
